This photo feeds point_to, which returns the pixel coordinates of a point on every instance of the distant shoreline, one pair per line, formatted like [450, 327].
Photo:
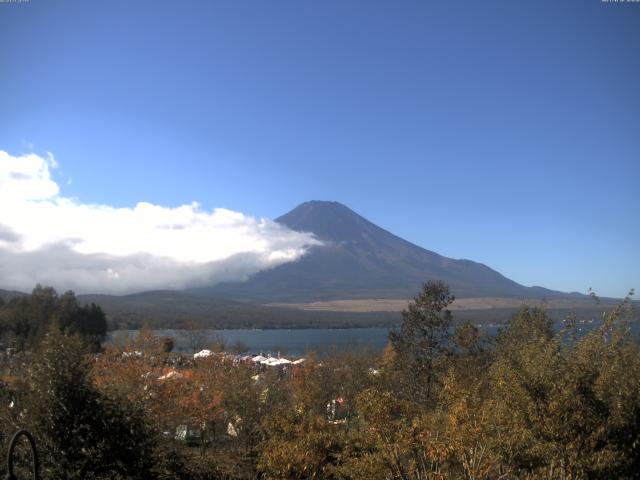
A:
[304, 340]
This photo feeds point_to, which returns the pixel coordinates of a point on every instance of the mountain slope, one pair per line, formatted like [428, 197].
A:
[9, 294]
[175, 309]
[361, 260]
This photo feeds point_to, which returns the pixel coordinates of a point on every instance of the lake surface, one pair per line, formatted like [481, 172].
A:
[284, 341]
[298, 341]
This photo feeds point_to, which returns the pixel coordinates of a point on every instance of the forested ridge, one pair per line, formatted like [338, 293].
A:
[533, 402]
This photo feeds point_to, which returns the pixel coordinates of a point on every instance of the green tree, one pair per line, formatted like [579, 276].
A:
[89, 321]
[26, 319]
[82, 434]
[421, 338]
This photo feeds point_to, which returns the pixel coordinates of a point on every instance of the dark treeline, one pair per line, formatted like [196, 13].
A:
[25, 319]
[532, 402]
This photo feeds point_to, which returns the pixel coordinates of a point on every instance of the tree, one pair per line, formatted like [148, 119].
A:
[421, 337]
[240, 347]
[88, 320]
[467, 419]
[299, 442]
[398, 439]
[196, 335]
[567, 406]
[167, 344]
[26, 319]
[82, 434]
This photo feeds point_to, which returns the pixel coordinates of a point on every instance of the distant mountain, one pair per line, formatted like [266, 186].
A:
[9, 294]
[361, 260]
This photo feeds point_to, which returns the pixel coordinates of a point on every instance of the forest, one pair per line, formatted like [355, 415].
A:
[532, 402]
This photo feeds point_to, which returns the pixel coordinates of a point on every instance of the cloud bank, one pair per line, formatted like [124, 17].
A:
[54, 240]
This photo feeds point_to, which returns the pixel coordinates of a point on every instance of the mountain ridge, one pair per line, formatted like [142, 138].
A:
[359, 259]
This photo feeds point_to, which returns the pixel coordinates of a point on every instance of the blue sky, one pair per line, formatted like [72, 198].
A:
[504, 132]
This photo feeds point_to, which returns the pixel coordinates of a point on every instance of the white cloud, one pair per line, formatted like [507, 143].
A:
[48, 238]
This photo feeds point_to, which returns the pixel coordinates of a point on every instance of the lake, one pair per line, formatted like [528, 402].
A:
[298, 341]
[284, 341]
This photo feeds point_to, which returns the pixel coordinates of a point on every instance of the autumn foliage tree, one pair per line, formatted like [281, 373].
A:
[568, 406]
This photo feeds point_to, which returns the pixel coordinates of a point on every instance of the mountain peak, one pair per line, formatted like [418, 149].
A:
[323, 204]
[327, 220]
[316, 207]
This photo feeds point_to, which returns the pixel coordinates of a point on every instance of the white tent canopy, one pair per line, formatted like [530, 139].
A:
[274, 362]
[202, 354]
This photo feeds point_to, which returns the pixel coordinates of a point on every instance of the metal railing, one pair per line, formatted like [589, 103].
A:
[34, 455]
